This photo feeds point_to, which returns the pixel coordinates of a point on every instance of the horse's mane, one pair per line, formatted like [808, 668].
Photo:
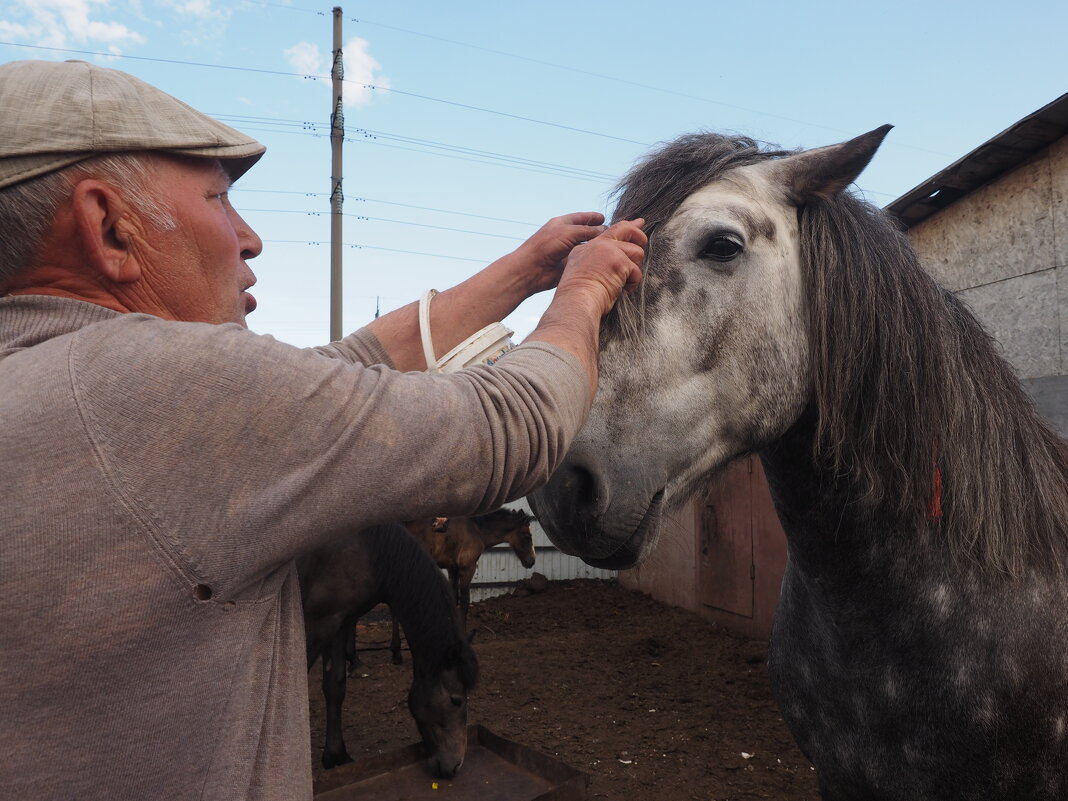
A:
[514, 516]
[904, 377]
[420, 598]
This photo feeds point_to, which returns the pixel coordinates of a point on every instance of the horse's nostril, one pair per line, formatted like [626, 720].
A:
[581, 486]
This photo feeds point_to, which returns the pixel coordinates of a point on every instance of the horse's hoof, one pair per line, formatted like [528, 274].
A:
[398, 659]
[333, 760]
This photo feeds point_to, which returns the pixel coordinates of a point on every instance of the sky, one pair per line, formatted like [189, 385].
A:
[470, 124]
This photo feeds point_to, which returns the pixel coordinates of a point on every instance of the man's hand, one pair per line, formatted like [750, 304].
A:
[595, 275]
[607, 265]
[540, 260]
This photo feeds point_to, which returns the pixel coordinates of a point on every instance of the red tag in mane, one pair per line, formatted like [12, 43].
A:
[934, 506]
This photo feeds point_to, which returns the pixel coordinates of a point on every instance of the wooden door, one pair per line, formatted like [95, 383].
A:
[725, 530]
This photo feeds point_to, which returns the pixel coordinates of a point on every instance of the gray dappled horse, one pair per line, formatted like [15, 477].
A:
[344, 581]
[920, 645]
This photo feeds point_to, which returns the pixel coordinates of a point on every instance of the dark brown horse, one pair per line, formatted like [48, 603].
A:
[384, 564]
[457, 543]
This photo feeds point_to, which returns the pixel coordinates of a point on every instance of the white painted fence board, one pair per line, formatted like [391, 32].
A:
[499, 569]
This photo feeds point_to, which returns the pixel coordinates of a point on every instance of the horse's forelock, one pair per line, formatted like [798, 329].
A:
[655, 188]
[514, 516]
[658, 184]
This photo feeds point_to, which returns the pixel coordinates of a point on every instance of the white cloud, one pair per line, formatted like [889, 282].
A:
[304, 58]
[201, 10]
[361, 68]
[61, 23]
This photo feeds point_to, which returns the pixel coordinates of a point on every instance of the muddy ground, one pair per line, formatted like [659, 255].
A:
[654, 703]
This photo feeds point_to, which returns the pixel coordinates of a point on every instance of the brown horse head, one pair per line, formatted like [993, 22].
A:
[511, 526]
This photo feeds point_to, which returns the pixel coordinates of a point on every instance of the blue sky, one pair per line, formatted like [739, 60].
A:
[491, 117]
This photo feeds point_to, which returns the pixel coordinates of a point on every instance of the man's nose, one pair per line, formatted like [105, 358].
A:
[251, 244]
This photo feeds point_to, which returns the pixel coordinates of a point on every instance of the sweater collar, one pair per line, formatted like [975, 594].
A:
[28, 320]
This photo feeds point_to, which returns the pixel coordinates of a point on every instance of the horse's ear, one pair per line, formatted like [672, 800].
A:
[826, 171]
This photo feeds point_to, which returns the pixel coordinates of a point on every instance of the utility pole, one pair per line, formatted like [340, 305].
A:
[337, 197]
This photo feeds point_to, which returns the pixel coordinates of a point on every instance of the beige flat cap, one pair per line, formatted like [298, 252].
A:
[57, 113]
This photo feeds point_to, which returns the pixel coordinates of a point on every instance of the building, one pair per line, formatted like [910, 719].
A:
[992, 227]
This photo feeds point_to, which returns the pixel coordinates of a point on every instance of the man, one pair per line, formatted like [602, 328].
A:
[162, 466]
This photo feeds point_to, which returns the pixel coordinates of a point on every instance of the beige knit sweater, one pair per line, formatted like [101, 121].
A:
[158, 479]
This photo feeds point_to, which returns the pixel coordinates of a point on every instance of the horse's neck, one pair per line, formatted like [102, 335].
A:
[417, 594]
[489, 535]
[830, 530]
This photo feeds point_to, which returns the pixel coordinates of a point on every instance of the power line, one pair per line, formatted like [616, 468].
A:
[386, 220]
[484, 110]
[312, 128]
[373, 247]
[521, 160]
[162, 60]
[626, 82]
[307, 76]
[388, 203]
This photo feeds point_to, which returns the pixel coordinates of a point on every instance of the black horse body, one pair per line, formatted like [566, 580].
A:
[342, 583]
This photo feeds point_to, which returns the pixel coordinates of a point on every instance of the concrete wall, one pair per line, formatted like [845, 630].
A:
[1003, 249]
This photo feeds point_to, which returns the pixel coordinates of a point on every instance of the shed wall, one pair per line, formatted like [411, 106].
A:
[1003, 249]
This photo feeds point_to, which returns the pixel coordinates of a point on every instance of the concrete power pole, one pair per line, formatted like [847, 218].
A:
[337, 197]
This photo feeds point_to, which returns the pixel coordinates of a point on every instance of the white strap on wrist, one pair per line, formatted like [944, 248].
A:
[424, 331]
[483, 347]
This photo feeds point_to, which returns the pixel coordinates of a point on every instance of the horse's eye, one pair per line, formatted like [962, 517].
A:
[720, 248]
[457, 700]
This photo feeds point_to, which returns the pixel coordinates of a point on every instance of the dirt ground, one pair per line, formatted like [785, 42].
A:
[654, 703]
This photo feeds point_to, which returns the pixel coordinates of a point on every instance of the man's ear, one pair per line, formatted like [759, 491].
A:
[103, 222]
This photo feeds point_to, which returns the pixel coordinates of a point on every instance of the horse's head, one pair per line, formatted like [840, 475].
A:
[438, 703]
[511, 526]
[520, 538]
[711, 358]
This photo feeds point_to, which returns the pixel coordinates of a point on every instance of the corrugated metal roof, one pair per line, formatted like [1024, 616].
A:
[1008, 149]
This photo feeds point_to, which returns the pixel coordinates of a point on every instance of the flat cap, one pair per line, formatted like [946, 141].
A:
[57, 113]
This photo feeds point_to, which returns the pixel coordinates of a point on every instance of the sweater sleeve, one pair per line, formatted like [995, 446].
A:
[236, 452]
[359, 347]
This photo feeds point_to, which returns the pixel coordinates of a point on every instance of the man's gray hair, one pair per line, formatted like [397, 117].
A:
[28, 209]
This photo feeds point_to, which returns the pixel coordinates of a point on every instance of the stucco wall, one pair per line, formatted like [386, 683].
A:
[1003, 249]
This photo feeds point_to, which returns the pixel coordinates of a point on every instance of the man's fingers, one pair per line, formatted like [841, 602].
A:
[580, 218]
[628, 231]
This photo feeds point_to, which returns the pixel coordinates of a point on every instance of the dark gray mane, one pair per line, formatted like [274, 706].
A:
[504, 517]
[420, 598]
[656, 186]
[904, 377]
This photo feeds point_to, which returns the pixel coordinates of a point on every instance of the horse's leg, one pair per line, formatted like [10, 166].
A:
[352, 658]
[334, 752]
[394, 643]
[464, 595]
[454, 581]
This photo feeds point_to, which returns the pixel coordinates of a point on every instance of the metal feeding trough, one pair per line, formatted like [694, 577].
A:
[495, 769]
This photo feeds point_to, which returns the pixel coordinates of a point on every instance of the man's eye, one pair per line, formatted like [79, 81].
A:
[720, 248]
